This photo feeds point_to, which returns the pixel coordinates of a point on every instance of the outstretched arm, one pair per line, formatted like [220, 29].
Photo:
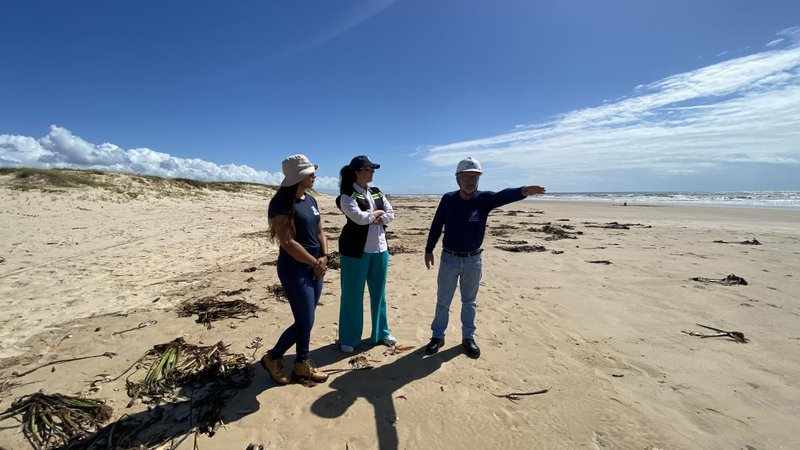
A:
[532, 190]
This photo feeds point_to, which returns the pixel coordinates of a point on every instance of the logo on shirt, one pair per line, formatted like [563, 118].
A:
[475, 216]
[314, 210]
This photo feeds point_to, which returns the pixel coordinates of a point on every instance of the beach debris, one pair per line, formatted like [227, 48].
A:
[521, 248]
[60, 361]
[398, 249]
[391, 235]
[255, 344]
[255, 447]
[177, 363]
[616, 225]
[249, 269]
[556, 232]
[737, 336]
[270, 263]
[397, 348]
[730, 280]
[556, 252]
[234, 292]
[514, 397]
[745, 242]
[137, 327]
[55, 420]
[277, 291]
[600, 261]
[2, 260]
[211, 309]
[507, 242]
[333, 260]
[250, 280]
[359, 362]
[335, 230]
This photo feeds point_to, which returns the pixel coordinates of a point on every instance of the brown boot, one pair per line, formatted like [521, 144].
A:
[275, 369]
[306, 370]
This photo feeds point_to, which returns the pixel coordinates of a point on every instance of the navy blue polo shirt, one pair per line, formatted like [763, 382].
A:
[306, 221]
[464, 221]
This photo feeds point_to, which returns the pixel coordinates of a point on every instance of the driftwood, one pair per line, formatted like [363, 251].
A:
[737, 336]
[600, 261]
[137, 327]
[516, 396]
[616, 225]
[730, 280]
[81, 358]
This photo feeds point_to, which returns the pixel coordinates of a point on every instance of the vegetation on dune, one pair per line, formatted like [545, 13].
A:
[128, 185]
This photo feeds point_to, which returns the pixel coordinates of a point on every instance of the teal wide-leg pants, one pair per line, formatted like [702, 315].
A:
[371, 269]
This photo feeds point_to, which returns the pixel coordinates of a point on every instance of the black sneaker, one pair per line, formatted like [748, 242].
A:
[473, 351]
[434, 345]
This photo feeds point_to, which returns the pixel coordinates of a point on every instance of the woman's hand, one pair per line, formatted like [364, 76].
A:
[320, 267]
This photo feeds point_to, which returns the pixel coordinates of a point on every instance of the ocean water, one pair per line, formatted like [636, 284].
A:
[748, 199]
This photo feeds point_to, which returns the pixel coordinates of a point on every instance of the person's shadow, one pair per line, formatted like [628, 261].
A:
[378, 386]
[172, 421]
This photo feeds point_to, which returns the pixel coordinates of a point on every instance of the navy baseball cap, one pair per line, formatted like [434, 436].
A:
[361, 161]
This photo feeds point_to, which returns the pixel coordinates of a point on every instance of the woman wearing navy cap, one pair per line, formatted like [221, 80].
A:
[364, 254]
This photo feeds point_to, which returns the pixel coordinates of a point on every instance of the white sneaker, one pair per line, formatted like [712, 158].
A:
[346, 349]
[389, 341]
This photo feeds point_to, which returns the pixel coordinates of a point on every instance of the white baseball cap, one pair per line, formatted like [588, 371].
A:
[295, 168]
[469, 164]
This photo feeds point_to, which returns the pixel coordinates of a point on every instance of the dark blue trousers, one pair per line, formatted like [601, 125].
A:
[303, 292]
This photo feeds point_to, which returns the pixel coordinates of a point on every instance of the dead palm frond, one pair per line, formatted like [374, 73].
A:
[53, 420]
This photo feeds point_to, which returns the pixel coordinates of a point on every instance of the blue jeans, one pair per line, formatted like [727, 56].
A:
[371, 269]
[451, 269]
[303, 292]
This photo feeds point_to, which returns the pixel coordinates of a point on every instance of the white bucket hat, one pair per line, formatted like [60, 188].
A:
[295, 168]
[469, 164]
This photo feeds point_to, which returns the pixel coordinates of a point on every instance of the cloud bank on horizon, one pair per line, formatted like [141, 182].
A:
[743, 110]
[60, 148]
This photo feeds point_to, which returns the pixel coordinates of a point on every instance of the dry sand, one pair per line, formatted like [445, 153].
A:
[605, 339]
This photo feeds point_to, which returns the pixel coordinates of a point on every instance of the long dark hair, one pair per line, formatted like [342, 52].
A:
[347, 176]
[285, 205]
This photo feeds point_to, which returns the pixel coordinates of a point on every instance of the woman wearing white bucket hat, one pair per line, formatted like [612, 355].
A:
[294, 219]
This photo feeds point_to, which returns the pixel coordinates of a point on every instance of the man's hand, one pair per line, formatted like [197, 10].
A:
[428, 260]
[532, 190]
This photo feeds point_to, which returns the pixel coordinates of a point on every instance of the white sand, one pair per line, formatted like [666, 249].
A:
[604, 339]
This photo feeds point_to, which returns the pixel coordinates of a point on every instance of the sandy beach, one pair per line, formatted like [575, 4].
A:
[599, 319]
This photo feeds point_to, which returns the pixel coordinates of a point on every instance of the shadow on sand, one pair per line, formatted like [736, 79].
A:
[204, 405]
[378, 386]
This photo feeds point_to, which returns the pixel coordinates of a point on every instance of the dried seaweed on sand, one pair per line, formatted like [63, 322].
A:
[54, 420]
[521, 248]
[211, 309]
[177, 364]
[745, 242]
[556, 232]
[730, 280]
[276, 290]
[333, 260]
[398, 249]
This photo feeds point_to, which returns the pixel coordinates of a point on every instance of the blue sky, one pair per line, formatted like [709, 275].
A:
[572, 95]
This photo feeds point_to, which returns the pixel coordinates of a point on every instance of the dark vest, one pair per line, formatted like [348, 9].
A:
[354, 236]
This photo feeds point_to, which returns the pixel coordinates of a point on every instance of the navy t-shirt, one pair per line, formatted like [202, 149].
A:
[306, 221]
[464, 221]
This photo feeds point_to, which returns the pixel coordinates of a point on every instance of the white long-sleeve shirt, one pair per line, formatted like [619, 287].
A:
[376, 237]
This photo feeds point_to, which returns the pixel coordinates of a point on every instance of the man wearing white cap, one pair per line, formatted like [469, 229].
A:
[463, 215]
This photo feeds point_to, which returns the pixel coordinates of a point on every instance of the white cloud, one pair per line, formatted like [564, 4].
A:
[61, 148]
[743, 110]
[774, 42]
